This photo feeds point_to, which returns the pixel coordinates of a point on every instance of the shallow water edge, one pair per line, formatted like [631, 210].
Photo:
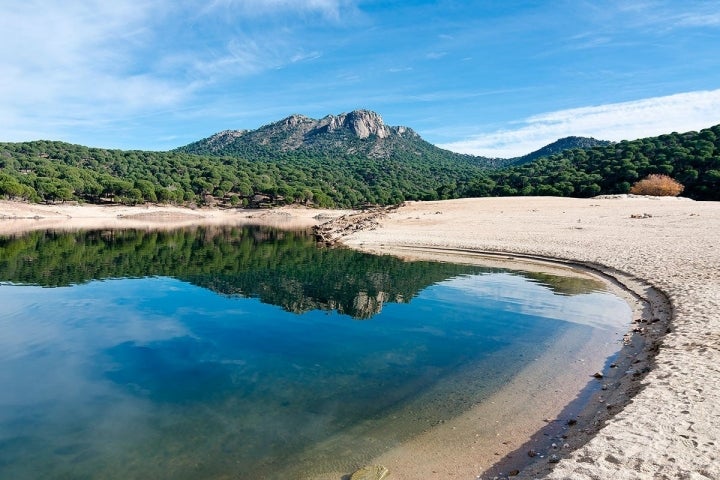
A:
[524, 451]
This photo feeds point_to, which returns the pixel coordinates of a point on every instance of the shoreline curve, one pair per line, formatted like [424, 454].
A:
[586, 412]
[670, 428]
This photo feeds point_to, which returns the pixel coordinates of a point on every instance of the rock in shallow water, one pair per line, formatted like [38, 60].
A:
[371, 472]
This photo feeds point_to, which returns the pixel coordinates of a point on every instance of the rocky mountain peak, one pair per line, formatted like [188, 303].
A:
[220, 140]
[365, 123]
[295, 120]
[359, 132]
[362, 123]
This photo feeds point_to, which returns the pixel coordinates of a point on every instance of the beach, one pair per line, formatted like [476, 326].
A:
[671, 428]
[18, 217]
[667, 425]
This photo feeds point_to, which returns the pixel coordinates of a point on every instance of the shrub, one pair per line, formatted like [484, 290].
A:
[659, 185]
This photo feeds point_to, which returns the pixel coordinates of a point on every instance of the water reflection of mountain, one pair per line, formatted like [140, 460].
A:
[279, 267]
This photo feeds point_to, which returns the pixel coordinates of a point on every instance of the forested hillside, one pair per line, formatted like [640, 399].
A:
[56, 171]
[692, 158]
[559, 146]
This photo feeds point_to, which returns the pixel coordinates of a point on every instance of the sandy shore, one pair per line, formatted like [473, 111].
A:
[670, 430]
[17, 217]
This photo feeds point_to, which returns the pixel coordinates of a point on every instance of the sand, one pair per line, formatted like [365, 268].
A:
[17, 217]
[669, 430]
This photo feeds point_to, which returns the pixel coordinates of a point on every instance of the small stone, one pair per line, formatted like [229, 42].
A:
[532, 453]
[554, 459]
[371, 472]
[572, 421]
[598, 375]
[513, 473]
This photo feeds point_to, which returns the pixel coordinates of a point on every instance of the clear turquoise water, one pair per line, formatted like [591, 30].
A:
[254, 370]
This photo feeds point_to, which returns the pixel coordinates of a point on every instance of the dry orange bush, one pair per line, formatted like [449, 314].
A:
[659, 185]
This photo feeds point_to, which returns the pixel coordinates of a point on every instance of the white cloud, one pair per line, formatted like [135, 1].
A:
[617, 121]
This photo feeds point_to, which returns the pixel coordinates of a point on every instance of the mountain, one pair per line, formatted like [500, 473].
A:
[358, 133]
[567, 143]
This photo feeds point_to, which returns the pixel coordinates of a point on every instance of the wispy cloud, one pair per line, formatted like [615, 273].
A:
[76, 61]
[242, 56]
[435, 55]
[304, 56]
[399, 69]
[89, 63]
[667, 15]
[616, 121]
[330, 9]
[700, 20]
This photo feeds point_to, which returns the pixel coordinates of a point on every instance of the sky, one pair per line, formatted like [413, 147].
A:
[492, 78]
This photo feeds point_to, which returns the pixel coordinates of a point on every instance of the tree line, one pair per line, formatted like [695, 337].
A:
[51, 171]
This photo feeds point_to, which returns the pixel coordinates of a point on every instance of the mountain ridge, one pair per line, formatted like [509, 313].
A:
[297, 130]
[358, 132]
[560, 145]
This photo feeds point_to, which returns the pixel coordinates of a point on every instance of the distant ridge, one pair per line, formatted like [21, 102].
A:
[566, 143]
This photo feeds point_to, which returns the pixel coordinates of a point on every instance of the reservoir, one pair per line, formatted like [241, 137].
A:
[252, 353]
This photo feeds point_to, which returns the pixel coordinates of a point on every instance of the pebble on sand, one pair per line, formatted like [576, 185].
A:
[371, 472]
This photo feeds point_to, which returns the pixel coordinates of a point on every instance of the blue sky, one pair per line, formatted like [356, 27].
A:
[494, 78]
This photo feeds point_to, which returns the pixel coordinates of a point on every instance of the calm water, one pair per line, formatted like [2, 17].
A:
[249, 353]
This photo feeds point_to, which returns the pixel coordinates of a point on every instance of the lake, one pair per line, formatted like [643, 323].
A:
[251, 353]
